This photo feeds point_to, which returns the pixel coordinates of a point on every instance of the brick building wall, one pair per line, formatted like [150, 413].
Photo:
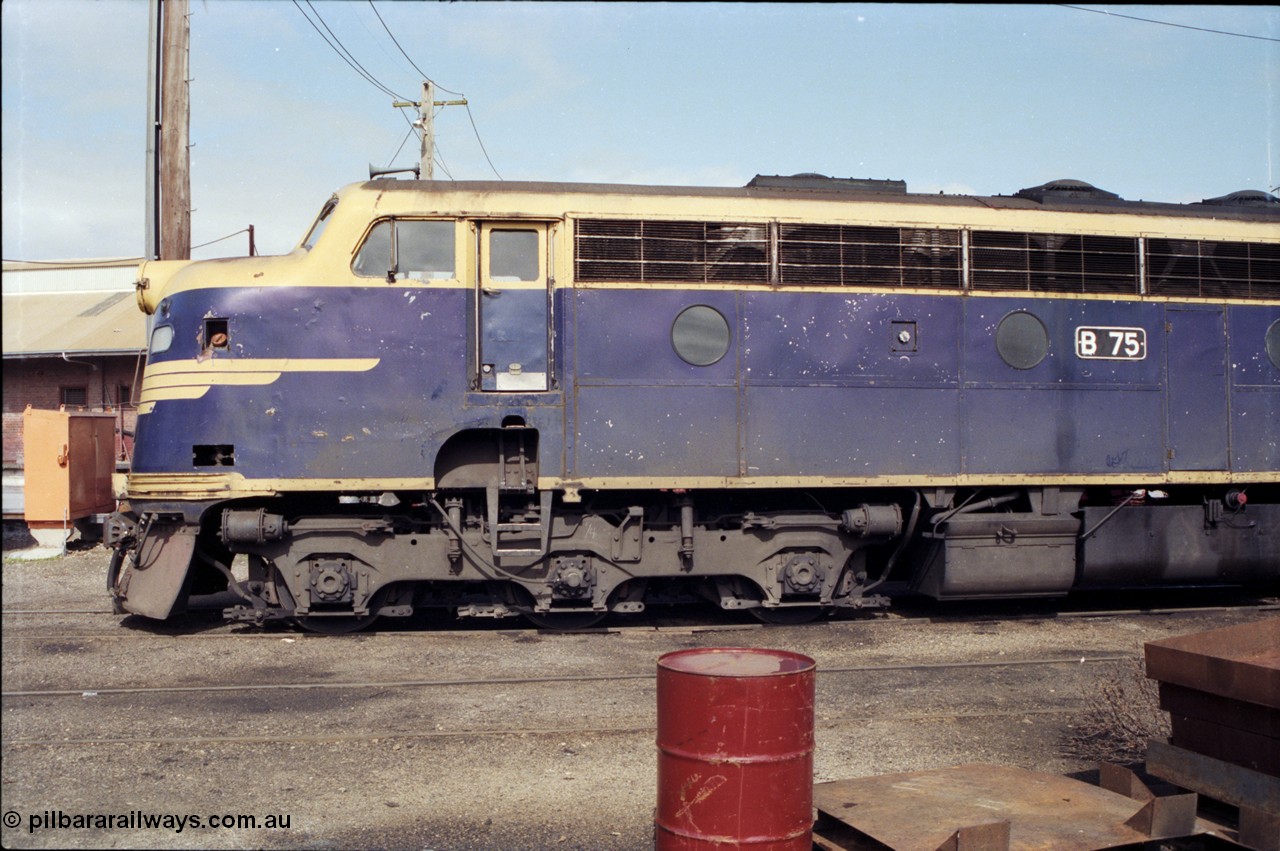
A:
[48, 383]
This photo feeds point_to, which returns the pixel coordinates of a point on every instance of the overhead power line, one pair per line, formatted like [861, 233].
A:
[336, 45]
[1167, 23]
[426, 79]
[406, 56]
[107, 261]
[402, 141]
[341, 50]
[481, 141]
[221, 238]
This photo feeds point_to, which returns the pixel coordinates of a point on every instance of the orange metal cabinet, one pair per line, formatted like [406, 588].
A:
[69, 459]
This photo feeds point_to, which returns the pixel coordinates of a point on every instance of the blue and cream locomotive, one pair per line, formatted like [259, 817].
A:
[564, 400]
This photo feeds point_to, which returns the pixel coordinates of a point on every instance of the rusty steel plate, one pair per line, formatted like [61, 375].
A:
[921, 810]
[1227, 742]
[1189, 703]
[1238, 662]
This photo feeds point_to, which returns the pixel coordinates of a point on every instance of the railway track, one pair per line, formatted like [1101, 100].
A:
[556, 732]
[214, 628]
[505, 681]
[198, 695]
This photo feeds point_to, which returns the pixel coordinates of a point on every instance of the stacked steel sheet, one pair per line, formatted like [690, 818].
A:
[1222, 692]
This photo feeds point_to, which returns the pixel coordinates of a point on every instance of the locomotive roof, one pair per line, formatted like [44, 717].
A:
[1056, 196]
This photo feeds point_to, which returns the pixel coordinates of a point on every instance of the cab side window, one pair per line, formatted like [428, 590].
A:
[513, 256]
[414, 249]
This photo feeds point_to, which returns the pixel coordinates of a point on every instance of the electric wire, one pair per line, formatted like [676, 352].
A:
[342, 51]
[470, 117]
[481, 141]
[422, 73]
[220, 239]
[113, 261]
[406, 56]
[402, 141]
[1167, 23]
[349, 54]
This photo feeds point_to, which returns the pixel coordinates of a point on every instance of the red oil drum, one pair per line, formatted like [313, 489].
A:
[735, 750]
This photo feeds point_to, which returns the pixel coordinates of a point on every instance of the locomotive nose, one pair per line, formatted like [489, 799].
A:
[153, 280]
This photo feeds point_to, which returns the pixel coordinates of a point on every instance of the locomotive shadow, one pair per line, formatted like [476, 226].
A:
[188, 623]
[1086, 603]
[710, 618]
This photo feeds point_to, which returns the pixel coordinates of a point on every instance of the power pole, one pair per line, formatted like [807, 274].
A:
[153, 133]
[175, 126]
[427, 124]
[168, 129]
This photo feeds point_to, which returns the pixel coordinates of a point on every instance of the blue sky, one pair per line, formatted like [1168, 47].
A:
[951, 98]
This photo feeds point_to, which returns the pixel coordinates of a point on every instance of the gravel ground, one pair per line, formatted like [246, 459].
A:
[405, 749]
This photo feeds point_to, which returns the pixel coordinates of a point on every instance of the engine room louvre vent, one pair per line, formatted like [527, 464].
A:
[1205, 269]
[644, 251]
[1244, 198]
[821, 183]
[1048, 262]
[1066, 190]
[859, 255]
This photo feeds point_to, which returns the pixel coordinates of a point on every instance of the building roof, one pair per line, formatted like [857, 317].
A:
[84, 323]
[82, 307]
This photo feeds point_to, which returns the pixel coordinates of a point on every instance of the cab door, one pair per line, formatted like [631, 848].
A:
[1198, 411]
[513, 316]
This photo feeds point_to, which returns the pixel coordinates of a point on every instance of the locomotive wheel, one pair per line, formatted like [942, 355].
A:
[565, 621]
[788, 615]
[335, 625]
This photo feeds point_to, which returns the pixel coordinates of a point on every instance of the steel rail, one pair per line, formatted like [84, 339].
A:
[573, 678]
[893, 615]
[399, 735]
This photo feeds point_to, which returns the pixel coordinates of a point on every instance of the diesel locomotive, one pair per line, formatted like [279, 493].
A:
[565, 400]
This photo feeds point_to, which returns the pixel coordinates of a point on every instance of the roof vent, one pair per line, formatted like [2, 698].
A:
[1066, 190]
[821, 183]
[1244, 198]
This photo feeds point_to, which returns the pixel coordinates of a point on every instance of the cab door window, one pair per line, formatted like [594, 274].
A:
[513, 256]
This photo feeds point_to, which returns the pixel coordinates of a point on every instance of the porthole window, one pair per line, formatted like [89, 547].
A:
[700, 335]
[1021, 340]
[1273, 343]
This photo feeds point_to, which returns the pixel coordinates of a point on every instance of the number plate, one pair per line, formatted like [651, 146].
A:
[1107, 343]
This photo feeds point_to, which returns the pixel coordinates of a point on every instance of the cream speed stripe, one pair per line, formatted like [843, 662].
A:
[191, 379]
[196, 486]
[234, 485]
[1172, 477]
